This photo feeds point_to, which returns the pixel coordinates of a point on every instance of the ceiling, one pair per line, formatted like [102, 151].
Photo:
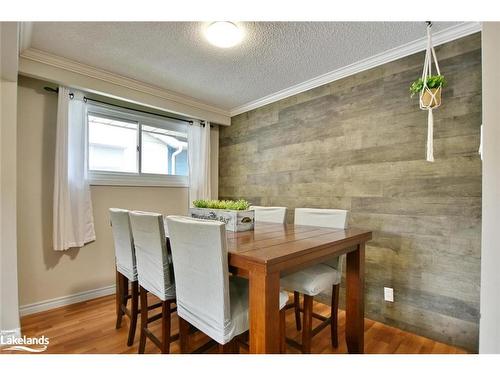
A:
[175, 55]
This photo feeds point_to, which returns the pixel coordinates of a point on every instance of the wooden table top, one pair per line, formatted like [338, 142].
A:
[273, 243]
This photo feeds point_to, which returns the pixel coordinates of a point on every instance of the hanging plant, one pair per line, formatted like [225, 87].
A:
[434, 84]
[429, 88]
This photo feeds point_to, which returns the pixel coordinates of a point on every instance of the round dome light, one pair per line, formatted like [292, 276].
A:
[223, 34]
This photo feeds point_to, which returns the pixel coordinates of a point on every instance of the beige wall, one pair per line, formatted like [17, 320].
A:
[9, 313]
[47, 274]
[489, 335]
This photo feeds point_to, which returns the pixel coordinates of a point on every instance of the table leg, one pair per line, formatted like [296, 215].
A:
[355, 309]
[264, 312]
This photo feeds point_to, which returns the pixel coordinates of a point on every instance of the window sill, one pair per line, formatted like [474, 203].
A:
[132, 179]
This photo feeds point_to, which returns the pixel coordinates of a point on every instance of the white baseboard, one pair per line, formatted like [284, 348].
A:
[50, 304]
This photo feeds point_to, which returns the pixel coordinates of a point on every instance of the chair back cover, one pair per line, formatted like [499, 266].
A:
[153, 269]
[199, 254]
[321, 217]
[124, 243]
[269, 214]
[324, 217]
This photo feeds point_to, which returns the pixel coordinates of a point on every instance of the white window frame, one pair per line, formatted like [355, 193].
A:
[108, 178]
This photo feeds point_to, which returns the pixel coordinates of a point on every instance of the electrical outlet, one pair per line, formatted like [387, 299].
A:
[389, 294]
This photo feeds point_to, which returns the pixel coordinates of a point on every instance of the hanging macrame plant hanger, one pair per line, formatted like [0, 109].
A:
[430, 98]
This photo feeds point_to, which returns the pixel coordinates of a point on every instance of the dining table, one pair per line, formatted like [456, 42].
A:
[269, 251]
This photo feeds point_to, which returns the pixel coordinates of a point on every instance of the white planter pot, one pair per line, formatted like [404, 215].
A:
[236, 221]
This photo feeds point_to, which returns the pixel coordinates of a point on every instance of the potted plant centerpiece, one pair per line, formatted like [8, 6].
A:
[236, 214]
[430, 93]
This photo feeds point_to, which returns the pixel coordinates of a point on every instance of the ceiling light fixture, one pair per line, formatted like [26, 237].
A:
[223, 34]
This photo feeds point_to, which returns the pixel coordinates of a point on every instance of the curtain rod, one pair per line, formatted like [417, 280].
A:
[190, 122]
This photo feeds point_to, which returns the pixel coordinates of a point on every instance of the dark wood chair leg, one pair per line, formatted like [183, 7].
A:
[134, 311]
[184, 335]
[121, 297]
[307, 324]
[125, 291]
[282, 331]
[165, 327]
[144, 319]
[334, 315]
[296, 303]
[118, 301]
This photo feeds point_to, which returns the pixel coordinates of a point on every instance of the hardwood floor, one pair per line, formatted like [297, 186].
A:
[89, 327]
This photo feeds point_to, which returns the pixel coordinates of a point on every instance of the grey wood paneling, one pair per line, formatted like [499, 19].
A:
[359, 144]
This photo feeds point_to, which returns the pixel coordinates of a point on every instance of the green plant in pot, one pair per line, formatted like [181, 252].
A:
[430, 94]
[239, 205]
[235, 214]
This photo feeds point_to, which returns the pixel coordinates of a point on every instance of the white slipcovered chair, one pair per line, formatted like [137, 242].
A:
[318, 278]
[154, 275]
[126, 270]
[269, 214]
[207, 297]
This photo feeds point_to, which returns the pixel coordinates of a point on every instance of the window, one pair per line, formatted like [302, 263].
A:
[163, 151]
[112, 144]
[129, 148]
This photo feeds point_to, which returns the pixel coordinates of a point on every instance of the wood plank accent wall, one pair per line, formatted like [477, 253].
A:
[359, 144]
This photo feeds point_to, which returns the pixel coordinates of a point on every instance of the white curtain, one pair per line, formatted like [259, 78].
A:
[199, 161]
[73, 219]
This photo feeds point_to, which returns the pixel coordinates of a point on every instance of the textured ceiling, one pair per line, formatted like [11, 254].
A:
[176, 56]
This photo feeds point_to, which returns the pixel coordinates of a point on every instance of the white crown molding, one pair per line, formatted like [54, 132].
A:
[440, 37]
[103, 75]
[50, 304]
